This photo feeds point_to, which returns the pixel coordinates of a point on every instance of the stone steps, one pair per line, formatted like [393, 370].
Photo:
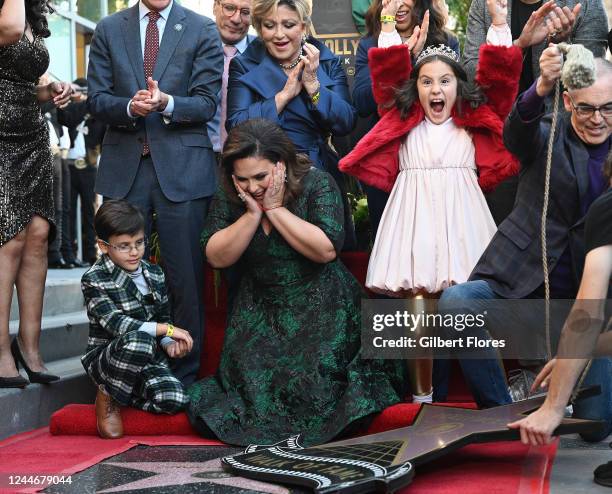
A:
[29, 408]
[63, 340]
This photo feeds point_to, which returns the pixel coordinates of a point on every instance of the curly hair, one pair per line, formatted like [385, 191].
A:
[36, 16]
[467, 91]
[437, 33]
[262, 138]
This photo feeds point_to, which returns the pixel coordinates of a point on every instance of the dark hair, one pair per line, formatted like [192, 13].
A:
[262, 138]
[607, 168]
[467, 91]
[36, 15]
[437, 33]
[118, 217]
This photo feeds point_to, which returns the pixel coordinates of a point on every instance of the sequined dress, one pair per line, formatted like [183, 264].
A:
[26, 170]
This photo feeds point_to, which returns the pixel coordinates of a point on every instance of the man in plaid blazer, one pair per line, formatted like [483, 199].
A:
[511, 266]
[130, 332]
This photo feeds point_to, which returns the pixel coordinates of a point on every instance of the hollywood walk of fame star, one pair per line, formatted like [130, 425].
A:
[437, 430]
[182, 473]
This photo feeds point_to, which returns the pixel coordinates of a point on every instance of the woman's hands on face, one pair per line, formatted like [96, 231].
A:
[275, 193]
[251, 204]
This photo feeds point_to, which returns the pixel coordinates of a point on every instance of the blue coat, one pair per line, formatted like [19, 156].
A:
[189, 67]
[363, 98]
[254, 80]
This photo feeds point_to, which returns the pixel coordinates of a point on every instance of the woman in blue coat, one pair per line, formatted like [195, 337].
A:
[411, 16]
[296, 82]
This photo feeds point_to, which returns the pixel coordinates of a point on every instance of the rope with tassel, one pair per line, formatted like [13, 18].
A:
[578, 72]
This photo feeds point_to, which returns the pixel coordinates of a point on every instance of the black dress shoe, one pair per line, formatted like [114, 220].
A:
[60, 264]
[13, 382]
[35, 377]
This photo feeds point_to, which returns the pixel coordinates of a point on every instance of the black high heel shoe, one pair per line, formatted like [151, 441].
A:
[35, 377]
[13, 382]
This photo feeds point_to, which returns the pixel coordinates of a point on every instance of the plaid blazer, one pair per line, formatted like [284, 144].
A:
[116, 306]
[512, 262]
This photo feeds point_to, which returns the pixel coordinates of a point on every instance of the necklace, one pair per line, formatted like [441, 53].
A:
[294, 63]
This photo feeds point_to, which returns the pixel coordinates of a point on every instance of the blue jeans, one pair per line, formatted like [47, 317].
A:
[485, 377]
[598, 407]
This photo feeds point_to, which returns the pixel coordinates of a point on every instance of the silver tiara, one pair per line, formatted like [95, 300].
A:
[438, 50]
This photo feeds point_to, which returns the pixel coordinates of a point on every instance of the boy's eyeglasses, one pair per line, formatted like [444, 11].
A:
[229, 10]
[127, 248]
[587, 111]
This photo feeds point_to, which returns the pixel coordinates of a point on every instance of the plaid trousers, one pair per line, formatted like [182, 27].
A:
[133, 369]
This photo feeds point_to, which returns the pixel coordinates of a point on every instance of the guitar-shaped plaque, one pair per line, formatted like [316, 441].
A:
[384, 462]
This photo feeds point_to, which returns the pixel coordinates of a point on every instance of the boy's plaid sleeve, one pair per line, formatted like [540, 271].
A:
[102, 310]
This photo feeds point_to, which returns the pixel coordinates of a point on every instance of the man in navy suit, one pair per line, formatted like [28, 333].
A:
[154, 76]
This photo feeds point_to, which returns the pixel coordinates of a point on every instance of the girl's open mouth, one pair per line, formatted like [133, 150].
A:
[437, 105]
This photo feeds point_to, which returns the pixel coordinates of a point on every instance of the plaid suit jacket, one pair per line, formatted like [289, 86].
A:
[116, 306]
[512, 263]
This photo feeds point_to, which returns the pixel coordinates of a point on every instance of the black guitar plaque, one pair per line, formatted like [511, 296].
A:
[384, 462]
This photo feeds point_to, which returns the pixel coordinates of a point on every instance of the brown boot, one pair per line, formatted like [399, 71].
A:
[108, 416]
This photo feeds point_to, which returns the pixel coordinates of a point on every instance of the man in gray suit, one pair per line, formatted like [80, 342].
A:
[577, 22]
[233, 18]
[154, 75]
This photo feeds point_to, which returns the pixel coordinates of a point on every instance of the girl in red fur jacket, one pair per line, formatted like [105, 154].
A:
[438, 142]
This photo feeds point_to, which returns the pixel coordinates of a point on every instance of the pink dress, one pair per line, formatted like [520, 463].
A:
[436, 224]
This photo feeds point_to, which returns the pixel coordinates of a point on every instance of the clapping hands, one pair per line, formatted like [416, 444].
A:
[311, 64]
[417, 40]
[549, 21]
[148, 100]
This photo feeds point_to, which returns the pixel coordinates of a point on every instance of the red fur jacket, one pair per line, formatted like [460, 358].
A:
[375, 158]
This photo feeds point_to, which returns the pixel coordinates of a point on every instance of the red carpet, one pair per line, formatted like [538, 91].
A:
[80, 420]
[495, 468]
[40, 453]
[71, 444]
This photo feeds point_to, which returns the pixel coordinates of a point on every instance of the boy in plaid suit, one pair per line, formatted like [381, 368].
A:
[130, 332]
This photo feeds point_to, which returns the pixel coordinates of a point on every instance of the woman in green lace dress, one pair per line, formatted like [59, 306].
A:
[290, 361]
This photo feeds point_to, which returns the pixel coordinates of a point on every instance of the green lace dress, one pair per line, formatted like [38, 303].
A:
[290, 361]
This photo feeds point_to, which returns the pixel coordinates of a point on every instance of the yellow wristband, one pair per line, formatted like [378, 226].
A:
[387, 18]
[170, 331]
[315, 97]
